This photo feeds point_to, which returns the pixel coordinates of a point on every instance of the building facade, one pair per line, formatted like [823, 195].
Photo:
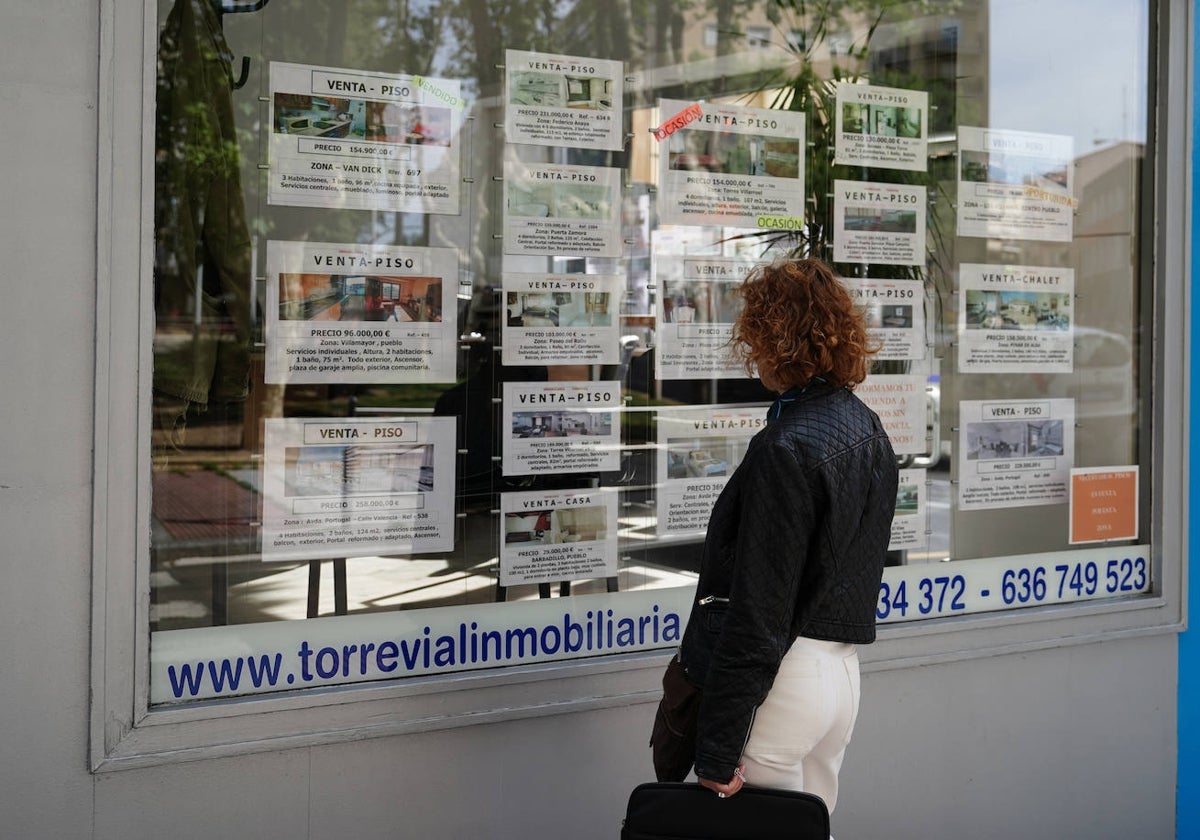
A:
[363, 488]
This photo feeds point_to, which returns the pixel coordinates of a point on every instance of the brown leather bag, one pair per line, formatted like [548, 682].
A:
[673, 739]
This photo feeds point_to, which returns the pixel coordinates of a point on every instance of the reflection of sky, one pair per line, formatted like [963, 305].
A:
[1075, 67]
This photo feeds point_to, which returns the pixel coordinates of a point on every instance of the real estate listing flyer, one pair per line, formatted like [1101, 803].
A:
[1015, 184]
[557, 210]
[561, 427]
[878, 223]
[561, 319]
[360, 313]
[727, 165]
[564, 100]
[1015, 319]
[1016, 453]
[352, 139]
[698, 449]
[909, 523]
[696, 306]
[895, 312]
[900, 402]
[557, 535]
[344, 487]
[882, 127]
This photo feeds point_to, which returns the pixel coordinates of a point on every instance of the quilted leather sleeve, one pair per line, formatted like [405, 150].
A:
[779, 508]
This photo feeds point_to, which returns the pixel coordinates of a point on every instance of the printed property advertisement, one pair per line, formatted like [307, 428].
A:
[909, 524]
[352, 139]
[563, 100]
[698, 449]
[878, 223]
[895, 312]
[1017, 453]
[555, 210]
[360, 313]
[561, 427]
[697, 305]
[1015, 184]
[561, 319]
[1015, 319]
[726, 165]
[342, 487]
[882, 127]
[556, 536]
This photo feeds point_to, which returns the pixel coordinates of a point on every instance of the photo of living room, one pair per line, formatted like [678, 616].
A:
[730, 153]
[1000, 310]
[335, 297]
[558, 309]
[559, 424]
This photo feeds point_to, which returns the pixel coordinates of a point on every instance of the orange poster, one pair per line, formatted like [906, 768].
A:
[1104, 504]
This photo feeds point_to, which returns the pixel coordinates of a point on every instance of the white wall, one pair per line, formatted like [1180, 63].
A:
[1074, 742]
[48, 72]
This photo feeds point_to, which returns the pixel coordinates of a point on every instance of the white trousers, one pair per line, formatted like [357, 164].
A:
[800, 733]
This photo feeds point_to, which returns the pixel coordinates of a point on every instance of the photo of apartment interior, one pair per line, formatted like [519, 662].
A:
[558, 309]
[990, 441]
[323, 297]
[731, 153]
[549, 424]
[704, 457]
[415, 125]
[589, 93]
[881, 120]
[319, 116]
[545, 89]
[889, 316]
[1017, 310]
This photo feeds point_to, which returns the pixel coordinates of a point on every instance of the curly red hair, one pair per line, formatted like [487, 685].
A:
[798, 321]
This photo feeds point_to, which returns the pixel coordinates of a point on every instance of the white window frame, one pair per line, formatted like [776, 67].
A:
[127, 733]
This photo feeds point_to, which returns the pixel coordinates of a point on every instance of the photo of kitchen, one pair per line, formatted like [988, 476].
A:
[560, 90]
[319, 116]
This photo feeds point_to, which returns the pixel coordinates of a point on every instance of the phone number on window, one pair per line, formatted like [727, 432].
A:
[1001, 583]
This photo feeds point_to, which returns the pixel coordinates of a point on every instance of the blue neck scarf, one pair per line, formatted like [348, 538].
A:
[787, 398]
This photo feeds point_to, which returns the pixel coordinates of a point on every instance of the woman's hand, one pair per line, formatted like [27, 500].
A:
[729, 788]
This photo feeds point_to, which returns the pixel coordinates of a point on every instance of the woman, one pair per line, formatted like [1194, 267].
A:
[795, 547]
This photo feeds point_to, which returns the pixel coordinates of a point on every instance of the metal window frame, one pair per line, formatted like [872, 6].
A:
[126, 733]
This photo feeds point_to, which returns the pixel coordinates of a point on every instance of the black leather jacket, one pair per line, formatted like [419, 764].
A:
[795, 547]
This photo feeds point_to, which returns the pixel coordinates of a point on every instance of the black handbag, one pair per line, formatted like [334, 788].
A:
[678, 811]
[673, 738]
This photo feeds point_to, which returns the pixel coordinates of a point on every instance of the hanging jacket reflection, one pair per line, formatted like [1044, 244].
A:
[202, 340]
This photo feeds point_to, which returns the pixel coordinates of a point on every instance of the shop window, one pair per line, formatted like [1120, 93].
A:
[440, 323]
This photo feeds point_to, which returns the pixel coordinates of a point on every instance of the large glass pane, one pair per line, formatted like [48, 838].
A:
[443, 294]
